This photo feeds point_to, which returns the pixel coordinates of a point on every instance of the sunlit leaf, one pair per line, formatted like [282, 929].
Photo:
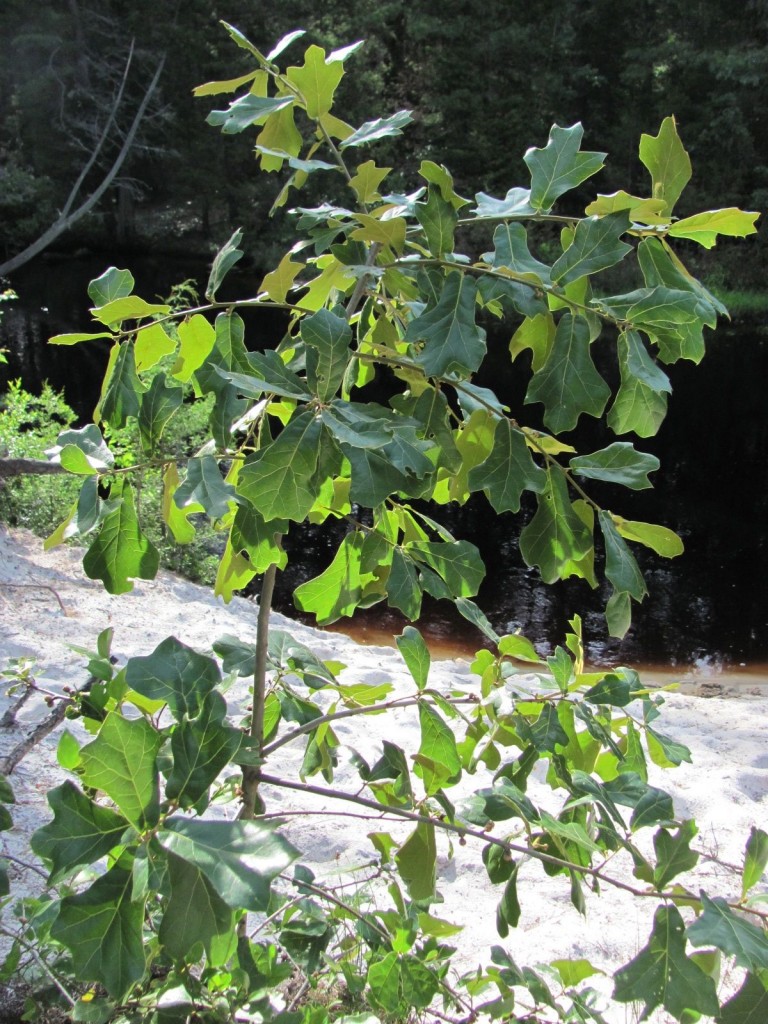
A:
[416, 861]
[755, 859]
[239, 858]
[705, 227]
[668, 163]
[121, 762]
[316, 80]
[381, 128]
[175, 674]
[121, 552]
[415, 654]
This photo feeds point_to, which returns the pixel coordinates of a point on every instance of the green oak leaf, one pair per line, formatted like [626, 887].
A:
[88, 512]
[268, 374]
[151, 345]
[596, 246]
[120, 551]
[82, 451]
[673, 853]
[285, 652]
[380, 128]
[568, 383]
[660, 266]
[128, 307]
[643, 211]
[227, 355]
[259, 539]
[416, 862]
[415, 654]
[661, 974]
[452, 341]
[508, 471]
[403, 589]
[556, 539]
[384, 982]
[748, 1006]
[81, 832]
[705, 227]
[439, 176]
[641, 401]
[612, 689]
[196, 340]
[122, 762]
[618, 614]
[755, 859]
[204, 486]
[196, 913]
[239, 858]
[437, 763]
[663, 541]
[200, 748]
[112, 284]
[458, 563]
[511, 252]
[175, 674]
[438, 218]
[508, 908]
[339, 590]
[158, 405]
[278, 480]
[516, 203]
[122, 391]
[620, 565]
[327, 338]
[316, 80]
[668, 163]
[430, 410]
[722, 927]
[102, 928]
[239, 115]
[559, 166]
[375, 473]
[619, 463]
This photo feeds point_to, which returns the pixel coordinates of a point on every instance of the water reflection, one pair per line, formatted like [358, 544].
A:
[711, 603]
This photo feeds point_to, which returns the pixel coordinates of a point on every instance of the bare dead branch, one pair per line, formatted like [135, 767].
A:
[65, 221]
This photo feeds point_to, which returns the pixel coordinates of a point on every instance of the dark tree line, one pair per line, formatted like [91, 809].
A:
[485, 79]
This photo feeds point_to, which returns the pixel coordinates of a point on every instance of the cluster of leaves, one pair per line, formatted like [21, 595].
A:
[157, 928]
[380, 301]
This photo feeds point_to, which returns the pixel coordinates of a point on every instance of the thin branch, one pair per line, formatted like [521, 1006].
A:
[399, 702]
[102, 138]
[64, 222]
[34, 586]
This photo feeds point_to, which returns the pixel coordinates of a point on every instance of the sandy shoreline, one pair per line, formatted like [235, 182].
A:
[51, 604]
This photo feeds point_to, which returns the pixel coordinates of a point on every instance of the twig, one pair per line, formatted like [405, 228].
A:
[35, 586]
[42, 729]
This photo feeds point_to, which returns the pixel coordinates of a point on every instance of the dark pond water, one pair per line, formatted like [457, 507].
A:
[708, 606]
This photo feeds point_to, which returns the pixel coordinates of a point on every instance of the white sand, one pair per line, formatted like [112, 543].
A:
[725, 789]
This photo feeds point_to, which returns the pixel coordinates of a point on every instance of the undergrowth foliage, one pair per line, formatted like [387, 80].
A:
[153, 895]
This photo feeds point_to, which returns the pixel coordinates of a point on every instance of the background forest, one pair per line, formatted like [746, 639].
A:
[619, 68]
